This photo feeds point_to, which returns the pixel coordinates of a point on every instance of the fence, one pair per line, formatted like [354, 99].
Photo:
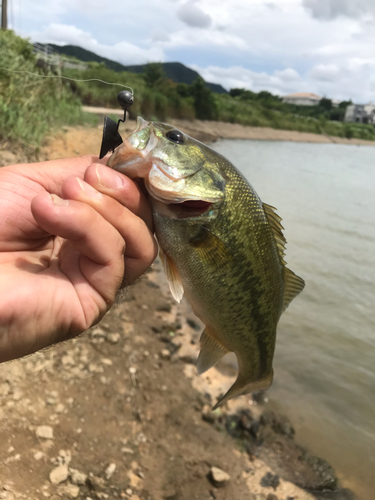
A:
[45, 53]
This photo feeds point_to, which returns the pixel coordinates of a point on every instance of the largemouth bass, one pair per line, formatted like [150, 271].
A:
[220, 246]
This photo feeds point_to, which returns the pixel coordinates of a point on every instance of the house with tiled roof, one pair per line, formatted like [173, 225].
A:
[302, 99]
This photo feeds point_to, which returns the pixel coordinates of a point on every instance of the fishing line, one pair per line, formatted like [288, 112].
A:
[67, 78]
[111, 137]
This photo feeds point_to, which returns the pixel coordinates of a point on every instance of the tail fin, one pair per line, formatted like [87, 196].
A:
[241, 387]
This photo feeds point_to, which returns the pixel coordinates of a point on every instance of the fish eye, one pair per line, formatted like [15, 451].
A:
[175, 136]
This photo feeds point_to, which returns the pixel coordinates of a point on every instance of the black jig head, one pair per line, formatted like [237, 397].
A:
[111, 137]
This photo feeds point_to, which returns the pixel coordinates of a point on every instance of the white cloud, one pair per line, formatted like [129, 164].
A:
[192, 15]
[283, 46]
[279, 82]
[325, 72]
[330, 9]
[123, 52]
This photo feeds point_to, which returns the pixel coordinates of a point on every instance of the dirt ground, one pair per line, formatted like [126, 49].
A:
[121, 413]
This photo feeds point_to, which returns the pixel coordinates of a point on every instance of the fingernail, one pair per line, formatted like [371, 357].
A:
[89, 190]
[59, 202]
[109, 178]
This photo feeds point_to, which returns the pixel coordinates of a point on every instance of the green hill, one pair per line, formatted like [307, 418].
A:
[179, 73]
[176, 71]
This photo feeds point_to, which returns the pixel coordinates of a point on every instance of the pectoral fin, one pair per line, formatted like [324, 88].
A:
[211, 249]
[175, 284]
[211, 352]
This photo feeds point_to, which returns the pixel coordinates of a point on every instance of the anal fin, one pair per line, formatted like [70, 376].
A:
[211, 352]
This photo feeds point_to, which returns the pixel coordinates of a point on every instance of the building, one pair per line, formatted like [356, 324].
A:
[302, 99]
[360, 113]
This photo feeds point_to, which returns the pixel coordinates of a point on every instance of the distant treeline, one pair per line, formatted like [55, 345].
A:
[325, 109]
[31, 107]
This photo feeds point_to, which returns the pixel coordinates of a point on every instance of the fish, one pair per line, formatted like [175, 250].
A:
[220, 245]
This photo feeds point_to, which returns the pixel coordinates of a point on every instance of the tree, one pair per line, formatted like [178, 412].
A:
[325, 104]
[153, 75]
[204, 101]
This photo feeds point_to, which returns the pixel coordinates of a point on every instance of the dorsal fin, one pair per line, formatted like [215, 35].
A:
[274, 221]
[175, 284]
[293, 286]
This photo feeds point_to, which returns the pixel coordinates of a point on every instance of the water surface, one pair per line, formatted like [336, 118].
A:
[325, 352]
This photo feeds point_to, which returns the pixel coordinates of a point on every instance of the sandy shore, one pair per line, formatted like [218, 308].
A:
[221, 130]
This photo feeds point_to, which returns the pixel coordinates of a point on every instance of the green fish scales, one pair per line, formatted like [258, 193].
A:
[225, 254]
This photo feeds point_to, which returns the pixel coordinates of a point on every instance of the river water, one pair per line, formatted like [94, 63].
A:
[325, 352]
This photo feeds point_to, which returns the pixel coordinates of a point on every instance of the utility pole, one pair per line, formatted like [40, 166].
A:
[4, 14]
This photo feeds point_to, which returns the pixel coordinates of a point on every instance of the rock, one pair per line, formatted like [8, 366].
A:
[270, 480]
[165, 354]
[77, 477]
[110, 471]
[279, 423]
[93, 368]
[17, 395]
[219, 477]
[38, 455]
[51, 401]
[127, 451]
[325, 474]
[208, 415]
[188, 354]
[106, 361]
[152, 284]
[4, 389]
[65, 457]
[97, 332]
[59, 474]
[113, 338]
[69, 490]
[44, 432]
[7, 158]
[165, 307]
[271, 496]
[59, 408]
[67, 360]
[193, 324]
[96, 482]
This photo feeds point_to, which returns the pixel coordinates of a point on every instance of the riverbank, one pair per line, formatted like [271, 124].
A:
[121, 413]
[73, 141]
[127, 394]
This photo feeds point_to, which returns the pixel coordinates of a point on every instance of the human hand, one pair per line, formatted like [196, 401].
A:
[71, 233]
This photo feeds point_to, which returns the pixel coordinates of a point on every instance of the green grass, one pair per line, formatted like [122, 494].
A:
[32, 107]
[256, 114]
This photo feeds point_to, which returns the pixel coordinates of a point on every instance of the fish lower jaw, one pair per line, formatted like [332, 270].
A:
[180, 210]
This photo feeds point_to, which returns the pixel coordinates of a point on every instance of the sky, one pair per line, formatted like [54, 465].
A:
[284, 46]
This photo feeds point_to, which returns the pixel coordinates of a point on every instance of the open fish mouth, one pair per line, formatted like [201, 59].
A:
[173, 193]
[162, 182]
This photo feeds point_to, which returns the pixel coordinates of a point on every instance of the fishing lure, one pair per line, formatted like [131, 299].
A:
[111, 137]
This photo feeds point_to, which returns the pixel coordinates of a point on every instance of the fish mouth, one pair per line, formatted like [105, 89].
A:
[190, 208]
[155, 178]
